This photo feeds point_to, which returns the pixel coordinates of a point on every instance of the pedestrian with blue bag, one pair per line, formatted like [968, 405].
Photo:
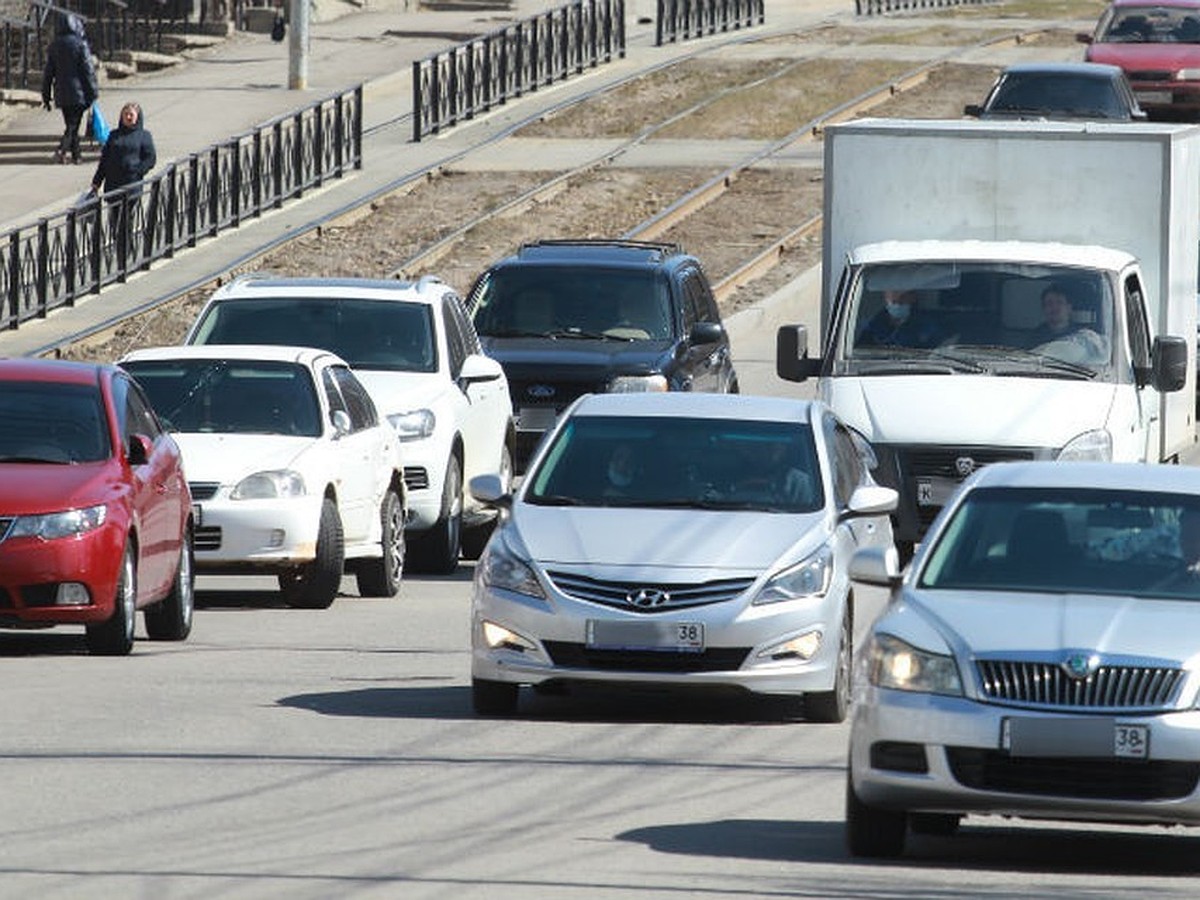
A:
[70, 79]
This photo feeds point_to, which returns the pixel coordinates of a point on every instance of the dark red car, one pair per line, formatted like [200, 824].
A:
[95, 513]
[1158, 46]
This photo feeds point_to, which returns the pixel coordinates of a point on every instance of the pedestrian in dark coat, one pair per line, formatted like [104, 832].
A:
[70, 78]
[128, 154]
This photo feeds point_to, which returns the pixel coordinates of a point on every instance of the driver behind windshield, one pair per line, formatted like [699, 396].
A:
[900, 323]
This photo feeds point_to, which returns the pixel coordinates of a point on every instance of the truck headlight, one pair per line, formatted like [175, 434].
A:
[637, 384]
[808, 578]
[1091, 445]
[270, 485]
[413, 425]
[893, 663]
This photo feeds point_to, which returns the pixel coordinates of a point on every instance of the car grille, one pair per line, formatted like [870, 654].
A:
[1149, 75]
[551, 391]
[207, 538]
[579, 656]
[416, 478]
[659, 597]
[1048, 685]
[1092, 779]
[203, 490]
[6, 524]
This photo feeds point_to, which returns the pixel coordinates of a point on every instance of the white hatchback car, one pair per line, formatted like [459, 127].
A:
[416, 351]
[686, 540]
[292, 472]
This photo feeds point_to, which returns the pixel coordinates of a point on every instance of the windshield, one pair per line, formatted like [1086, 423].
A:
[1077, 541]
[998, 318]
[674, 462]
[1057, 94]
[387, 335]
[1152, 24]
[556, 302]
[231, 396]
[44, 421]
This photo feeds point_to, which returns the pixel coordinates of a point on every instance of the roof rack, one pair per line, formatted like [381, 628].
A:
[666, 247]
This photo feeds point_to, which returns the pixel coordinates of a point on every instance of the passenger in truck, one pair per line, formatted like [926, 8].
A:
[901, 323]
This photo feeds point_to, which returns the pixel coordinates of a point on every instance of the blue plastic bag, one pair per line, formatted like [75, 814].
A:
[97, 125]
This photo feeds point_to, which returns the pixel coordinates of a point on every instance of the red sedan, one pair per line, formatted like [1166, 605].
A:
[95, 513]
[1158, 46]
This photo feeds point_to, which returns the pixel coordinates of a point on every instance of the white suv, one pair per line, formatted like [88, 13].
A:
[416, 351]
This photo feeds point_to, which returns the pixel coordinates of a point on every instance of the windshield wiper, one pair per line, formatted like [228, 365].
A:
[555, 500]
[1041, 361]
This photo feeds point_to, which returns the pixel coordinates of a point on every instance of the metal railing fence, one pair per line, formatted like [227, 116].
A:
[57, 260]
[677, 20]
[471, 78]
[875, 7]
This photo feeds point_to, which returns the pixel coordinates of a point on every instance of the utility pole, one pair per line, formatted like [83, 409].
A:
[298, 46]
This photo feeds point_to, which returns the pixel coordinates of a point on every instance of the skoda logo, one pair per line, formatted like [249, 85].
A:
[540, 391]
[964, 466]
[648, 598]
[1080, 665]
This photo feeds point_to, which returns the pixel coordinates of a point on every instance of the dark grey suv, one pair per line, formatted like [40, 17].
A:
[571, 317]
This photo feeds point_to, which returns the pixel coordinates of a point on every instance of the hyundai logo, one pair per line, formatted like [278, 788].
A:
[647, 598]
[964, 466]
[1080, 665]
[540, 391]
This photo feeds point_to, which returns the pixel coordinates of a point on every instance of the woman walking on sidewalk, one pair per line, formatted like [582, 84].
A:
[71, 78]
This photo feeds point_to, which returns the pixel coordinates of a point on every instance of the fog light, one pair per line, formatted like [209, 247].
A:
[498, 637]
[802, 647]
[72, 593]
[275, 540]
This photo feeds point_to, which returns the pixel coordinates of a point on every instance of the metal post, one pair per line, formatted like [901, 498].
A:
[298, 46]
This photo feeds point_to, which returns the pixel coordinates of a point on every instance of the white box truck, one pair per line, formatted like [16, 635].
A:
[1005, 290]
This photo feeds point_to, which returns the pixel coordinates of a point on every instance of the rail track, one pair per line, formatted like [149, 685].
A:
[751, 212]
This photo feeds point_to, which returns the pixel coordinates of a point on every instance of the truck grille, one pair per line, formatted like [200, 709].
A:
[669, 597]
[1047, 685]
[943, 462]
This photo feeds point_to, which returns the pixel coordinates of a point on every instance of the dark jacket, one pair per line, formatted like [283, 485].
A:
[126, 157]
[69, 73]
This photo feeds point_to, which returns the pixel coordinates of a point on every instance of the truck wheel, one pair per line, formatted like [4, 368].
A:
[871, 831]
[115, 637]
[381, 577]
[171, 618]
[315, 585]
[437, 551]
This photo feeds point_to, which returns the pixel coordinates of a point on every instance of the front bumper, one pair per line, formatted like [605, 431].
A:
[256, 535]
[32, 569]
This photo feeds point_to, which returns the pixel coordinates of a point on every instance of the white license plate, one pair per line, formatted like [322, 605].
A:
[935, 491]
[675, 637]
[197, 515]
[1131, 741]
[535, 418]
[1153, 96]
[1074, 737]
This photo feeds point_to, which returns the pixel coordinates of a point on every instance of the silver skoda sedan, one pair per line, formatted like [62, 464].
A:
[681, 540]
[1040, 658]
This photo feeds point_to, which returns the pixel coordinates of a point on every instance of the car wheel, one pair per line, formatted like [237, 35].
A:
[936, 824]
[115, 637]
[494, 698]
[437, 551]
[381, 577]
[871, 831]
[315, 585]
[831, 706]
[475, 539]
[171, 618]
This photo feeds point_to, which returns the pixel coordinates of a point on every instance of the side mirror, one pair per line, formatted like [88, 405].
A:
[477, 367]
[1169, 363]
[791, 354]
[876, 565]
[872, 499]
[1083, 37]
[706, 333]
[139, 449]
[341, 421]
[973, 109]
[489, 490]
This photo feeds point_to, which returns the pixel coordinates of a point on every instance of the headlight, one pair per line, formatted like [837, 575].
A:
[1188, 75]
[892, 663]
[808, 578]
[1091, 445]
[71, 523]
[501, 567]
[278, 483]
[637, 384]
[414, 425]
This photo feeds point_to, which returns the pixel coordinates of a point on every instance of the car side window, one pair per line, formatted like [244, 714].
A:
[848, 467]
[358, 402]
[332, 393]
[699, 304]
[1139, 331]
[139, 417]
[456, 341]
[458, 312]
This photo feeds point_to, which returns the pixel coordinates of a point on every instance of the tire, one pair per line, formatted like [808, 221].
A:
[115, 637]
[171, 618]
[832, 706]
[494, 698]
[475, 539]
[315, 584]
[935, 824]
[871, 831]
[436, 552]
[381, 577]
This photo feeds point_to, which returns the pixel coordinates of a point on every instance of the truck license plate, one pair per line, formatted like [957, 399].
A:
[671, 637]
[935, 491]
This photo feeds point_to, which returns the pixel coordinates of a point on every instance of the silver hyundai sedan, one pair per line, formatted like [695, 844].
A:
[1040, 657]
[680, 540]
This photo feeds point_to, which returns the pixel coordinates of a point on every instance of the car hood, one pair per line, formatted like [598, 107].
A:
[400, 392]
[228, 458]
[536, 357]
[976, 410]
[724, 544]
[975, 623]
[28, 488]
[1146, 56]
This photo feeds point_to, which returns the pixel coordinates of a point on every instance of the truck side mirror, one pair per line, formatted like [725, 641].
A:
[791, 354]
[1168, 363]
[704, 333]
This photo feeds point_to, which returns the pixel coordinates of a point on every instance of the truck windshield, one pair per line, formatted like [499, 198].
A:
[995, 317]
